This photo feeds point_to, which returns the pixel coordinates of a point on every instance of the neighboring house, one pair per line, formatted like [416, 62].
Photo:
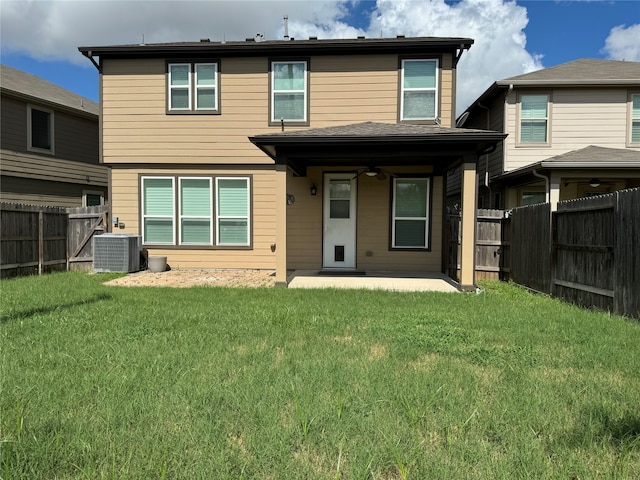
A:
[573, 131]
[48, 144]
[292, 154]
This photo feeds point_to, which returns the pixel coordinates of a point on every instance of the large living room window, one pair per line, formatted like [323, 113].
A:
[40, 129]
[289, 91]
[192, 87]
[187, 211]
[419, 82]
[534, 119]
[410, 213]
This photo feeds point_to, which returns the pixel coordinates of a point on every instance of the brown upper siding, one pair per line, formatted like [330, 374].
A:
[343, 89]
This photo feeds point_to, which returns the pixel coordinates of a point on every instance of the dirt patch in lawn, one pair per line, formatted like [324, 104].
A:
[190, 278]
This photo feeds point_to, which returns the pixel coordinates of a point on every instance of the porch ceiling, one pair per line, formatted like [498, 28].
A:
[374, 144]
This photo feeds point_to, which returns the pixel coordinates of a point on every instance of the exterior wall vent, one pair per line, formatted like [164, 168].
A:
[116, 252]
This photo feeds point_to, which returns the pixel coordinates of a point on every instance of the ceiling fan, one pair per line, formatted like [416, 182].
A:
[372, 171]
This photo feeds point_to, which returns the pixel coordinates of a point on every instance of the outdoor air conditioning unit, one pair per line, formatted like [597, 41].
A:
[116, 252]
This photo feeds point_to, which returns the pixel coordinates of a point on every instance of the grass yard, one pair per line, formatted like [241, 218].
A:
[105, 382]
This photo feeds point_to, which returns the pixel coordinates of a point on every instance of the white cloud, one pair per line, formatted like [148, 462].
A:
[52, 30]
[623, 43]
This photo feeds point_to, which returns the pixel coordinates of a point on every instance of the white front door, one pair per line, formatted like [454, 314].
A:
[339, 218]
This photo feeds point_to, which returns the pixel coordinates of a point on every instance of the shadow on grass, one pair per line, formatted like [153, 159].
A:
[599, 425]
[25, 314]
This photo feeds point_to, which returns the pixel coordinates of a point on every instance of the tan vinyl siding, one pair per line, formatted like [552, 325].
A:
[304, 225]
[126, 206]
[579, 118]
[137, 128]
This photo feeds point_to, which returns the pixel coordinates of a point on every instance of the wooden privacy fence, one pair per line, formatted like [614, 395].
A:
[489, 244]
[36, 240]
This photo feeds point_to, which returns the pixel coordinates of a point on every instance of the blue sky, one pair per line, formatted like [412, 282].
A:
[511, 37]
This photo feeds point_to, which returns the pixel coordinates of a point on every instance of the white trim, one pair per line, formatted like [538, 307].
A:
[630, 119]
[304, 91]
[180, 216]
[422, 89]
[233, 217]
[426, 218]
[30, 147]
[173, 209]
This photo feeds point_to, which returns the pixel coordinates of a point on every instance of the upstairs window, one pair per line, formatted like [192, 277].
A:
[419, 96]
[193, 87]
[410, 213]
[635, 118]
[40, 129]
[534, 119]
[289, 91]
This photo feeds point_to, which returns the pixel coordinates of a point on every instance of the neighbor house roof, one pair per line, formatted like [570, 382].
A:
[31, 88]
[258, 47]
[590, 157]
[583, 72]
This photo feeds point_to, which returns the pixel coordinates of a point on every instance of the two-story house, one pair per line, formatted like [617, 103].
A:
[49, 151]
[573, 131]
[289, 154]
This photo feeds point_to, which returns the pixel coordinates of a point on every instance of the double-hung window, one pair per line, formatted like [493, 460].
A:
[40, 129]
[233, 211]
[193, 87]
[410, 213]
[635, 118]
[419, 90]
[188, 211]
[534, 119]
[289, 91]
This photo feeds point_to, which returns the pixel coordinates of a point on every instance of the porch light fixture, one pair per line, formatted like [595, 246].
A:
[314, 190]
[371, 172]
[594, 182]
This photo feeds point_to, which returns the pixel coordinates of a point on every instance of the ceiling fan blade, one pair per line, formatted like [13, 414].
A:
[380, 175]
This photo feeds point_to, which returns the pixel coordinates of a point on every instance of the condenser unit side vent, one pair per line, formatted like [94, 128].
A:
[116, 252]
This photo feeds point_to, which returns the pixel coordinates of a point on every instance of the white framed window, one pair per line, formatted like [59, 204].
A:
[419, 89]
[410, 213]
[289, 91]
[158, 211]
[634, 121]
[534, 119]
[233, 201]
[40, 132]
[193, 87]
[185, 211]
[196, 207]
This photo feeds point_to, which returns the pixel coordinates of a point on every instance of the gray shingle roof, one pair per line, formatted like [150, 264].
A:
[583, 70]
[27, 85]
[595, 156]
[373, 129]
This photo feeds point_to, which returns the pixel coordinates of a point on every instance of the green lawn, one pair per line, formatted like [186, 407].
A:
[204, 383]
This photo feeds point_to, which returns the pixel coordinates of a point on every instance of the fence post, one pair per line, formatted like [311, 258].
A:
[40, 242]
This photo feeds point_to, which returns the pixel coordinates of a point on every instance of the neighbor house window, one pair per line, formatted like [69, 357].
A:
[92, 198]
[40, 129]
[233, 211]
[635, 118]
[193, 87]
[534, 119]
[419, 86]
[187, 211]
[532, 198]
[410, 213]
[289, 91]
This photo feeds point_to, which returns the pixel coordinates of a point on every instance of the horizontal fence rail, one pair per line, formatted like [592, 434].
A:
[37, 239]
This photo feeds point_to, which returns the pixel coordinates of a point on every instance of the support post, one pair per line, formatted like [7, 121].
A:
[468, 224]
[281, 224]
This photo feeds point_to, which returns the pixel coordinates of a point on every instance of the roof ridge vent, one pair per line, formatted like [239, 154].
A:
[205, 40]
[313, 38]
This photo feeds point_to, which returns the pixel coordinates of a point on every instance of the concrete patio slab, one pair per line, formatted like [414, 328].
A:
[395, 281]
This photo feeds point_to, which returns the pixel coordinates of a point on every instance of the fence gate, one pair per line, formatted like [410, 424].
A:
[84, 224]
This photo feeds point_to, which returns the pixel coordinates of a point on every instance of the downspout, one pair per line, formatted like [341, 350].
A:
[546, 184]
[486, 156]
